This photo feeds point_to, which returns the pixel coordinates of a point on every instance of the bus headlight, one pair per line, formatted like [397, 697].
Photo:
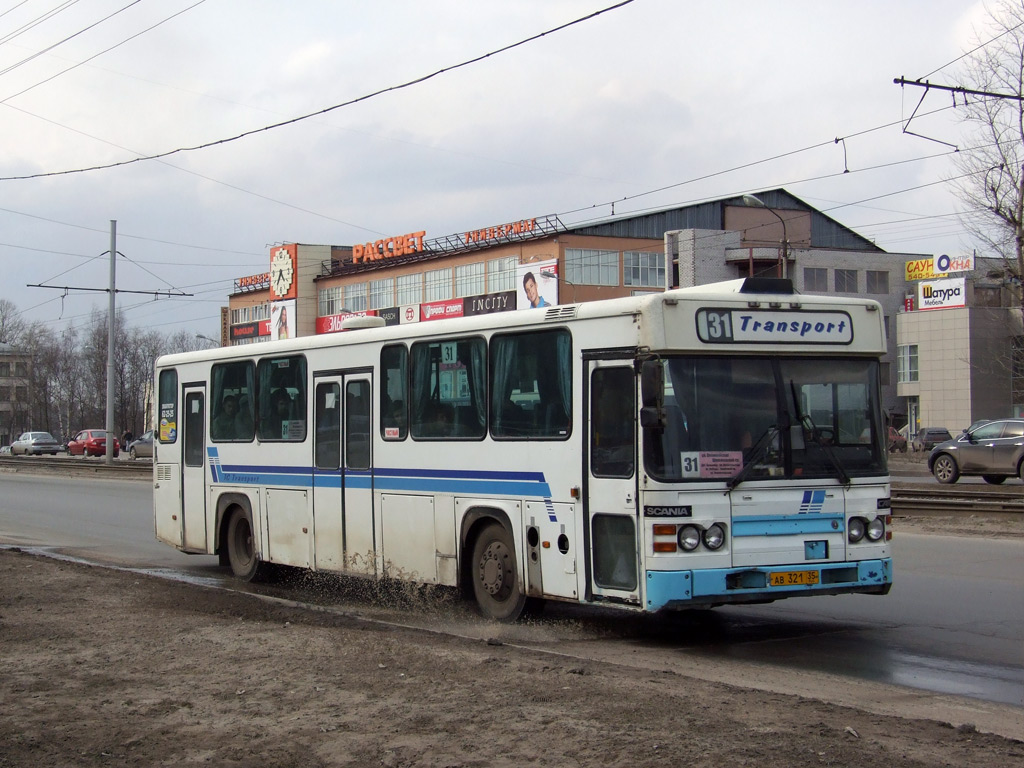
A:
[855, 529]
[689, 538]
[714, 536]
[876, 529]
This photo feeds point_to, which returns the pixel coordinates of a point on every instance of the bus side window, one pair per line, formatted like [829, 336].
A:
[168, 397]
[613, 422]
[531, 385]
[448, 389]
[230, 406]
[282, 398]
[394, 392]
[327, 440]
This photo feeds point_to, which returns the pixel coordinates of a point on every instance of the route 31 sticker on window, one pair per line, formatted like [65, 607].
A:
[710, 464]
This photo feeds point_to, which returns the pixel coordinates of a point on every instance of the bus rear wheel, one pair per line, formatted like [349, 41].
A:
[495, 575]
[241, 546]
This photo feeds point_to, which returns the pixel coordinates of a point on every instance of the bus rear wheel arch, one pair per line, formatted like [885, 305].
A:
[495, 574]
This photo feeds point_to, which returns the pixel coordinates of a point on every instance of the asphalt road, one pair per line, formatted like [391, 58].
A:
[952, 623]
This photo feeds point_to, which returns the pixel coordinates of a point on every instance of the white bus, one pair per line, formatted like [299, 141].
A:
[710, 445]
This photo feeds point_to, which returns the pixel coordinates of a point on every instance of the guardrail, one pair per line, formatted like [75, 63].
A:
[78, 466]
[972, 498]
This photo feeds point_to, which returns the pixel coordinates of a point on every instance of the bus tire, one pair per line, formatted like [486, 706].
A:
[241, 548]
[495, 574]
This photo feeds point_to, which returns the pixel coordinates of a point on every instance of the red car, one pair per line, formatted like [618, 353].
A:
[91, 442]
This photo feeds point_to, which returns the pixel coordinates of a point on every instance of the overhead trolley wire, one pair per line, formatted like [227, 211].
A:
[350, 102]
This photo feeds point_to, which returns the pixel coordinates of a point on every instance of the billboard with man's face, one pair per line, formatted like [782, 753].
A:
[537, 284]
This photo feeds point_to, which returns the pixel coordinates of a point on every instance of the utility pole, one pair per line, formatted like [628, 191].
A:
[110, 342]
[111, 318]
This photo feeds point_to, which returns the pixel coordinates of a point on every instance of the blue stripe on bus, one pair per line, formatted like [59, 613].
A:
[494, 483]
[787, 525]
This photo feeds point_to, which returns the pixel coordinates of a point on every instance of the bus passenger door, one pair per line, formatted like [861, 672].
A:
[357, 480]
[193, 470]
[328, 529]
[343, 518]
[611, 457]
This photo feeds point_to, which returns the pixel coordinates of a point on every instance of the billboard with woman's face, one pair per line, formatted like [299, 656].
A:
[282, 320]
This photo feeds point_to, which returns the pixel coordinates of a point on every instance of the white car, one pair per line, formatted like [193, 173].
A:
[35, 444]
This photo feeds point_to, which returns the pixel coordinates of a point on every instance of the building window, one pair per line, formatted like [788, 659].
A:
[382, 293]
[355, 298]
[250, 314]
[846, 281]
[5, 369]
[501, 274]
[878, 282]
[437, 285]
[588, 266]
[816, 279]
[643, 268]
[885, 373]
[330, 301]
[469, 279]
[410, 289]
[986, 296]
[21, 369]
[907, 363]
[21, 394]
[886, 319]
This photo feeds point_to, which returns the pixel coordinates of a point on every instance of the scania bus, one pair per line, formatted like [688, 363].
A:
[702, 446]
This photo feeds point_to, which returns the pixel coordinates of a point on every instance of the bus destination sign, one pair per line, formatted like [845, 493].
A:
[753, 326]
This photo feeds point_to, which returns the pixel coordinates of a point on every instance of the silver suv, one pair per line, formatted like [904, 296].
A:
[993, 450]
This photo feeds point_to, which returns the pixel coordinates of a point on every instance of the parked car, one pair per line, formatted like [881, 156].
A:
[35, 444]
[897, 442]
[994, 450]
[142, 446]
[928, 437]
[91, 442]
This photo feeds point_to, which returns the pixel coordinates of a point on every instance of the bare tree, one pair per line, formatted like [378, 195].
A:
[991, 183]
[12, 326]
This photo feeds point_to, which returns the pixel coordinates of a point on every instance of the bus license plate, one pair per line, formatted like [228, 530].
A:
[793, 578]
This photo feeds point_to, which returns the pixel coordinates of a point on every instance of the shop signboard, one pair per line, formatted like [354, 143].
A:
[441, 310]
[486, 303]
[942, 294]
[944, 264]
[921, 269]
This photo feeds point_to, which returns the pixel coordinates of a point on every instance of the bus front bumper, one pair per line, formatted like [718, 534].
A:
[689, 589]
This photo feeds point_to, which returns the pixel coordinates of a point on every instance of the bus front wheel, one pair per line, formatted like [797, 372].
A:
[495, 574]
[241, 546]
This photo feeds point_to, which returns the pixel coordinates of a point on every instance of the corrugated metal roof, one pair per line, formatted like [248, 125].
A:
[826, 232]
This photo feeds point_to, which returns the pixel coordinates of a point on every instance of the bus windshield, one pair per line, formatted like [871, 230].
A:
[761, 417]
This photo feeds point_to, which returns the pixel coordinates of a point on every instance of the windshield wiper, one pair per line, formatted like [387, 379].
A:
[760, 447]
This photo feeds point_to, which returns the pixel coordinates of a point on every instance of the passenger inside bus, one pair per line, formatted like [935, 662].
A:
[274, 426]
[223, 427]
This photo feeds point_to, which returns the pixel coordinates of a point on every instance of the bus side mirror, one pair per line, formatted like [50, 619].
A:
[652, 383]
[652, 417]
[652, 395]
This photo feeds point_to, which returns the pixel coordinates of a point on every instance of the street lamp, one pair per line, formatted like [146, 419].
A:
[755, 202]
[207, 338]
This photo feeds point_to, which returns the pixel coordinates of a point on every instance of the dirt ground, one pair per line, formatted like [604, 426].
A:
[102, 667]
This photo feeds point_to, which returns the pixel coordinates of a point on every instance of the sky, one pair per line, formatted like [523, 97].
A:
[652, 104]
